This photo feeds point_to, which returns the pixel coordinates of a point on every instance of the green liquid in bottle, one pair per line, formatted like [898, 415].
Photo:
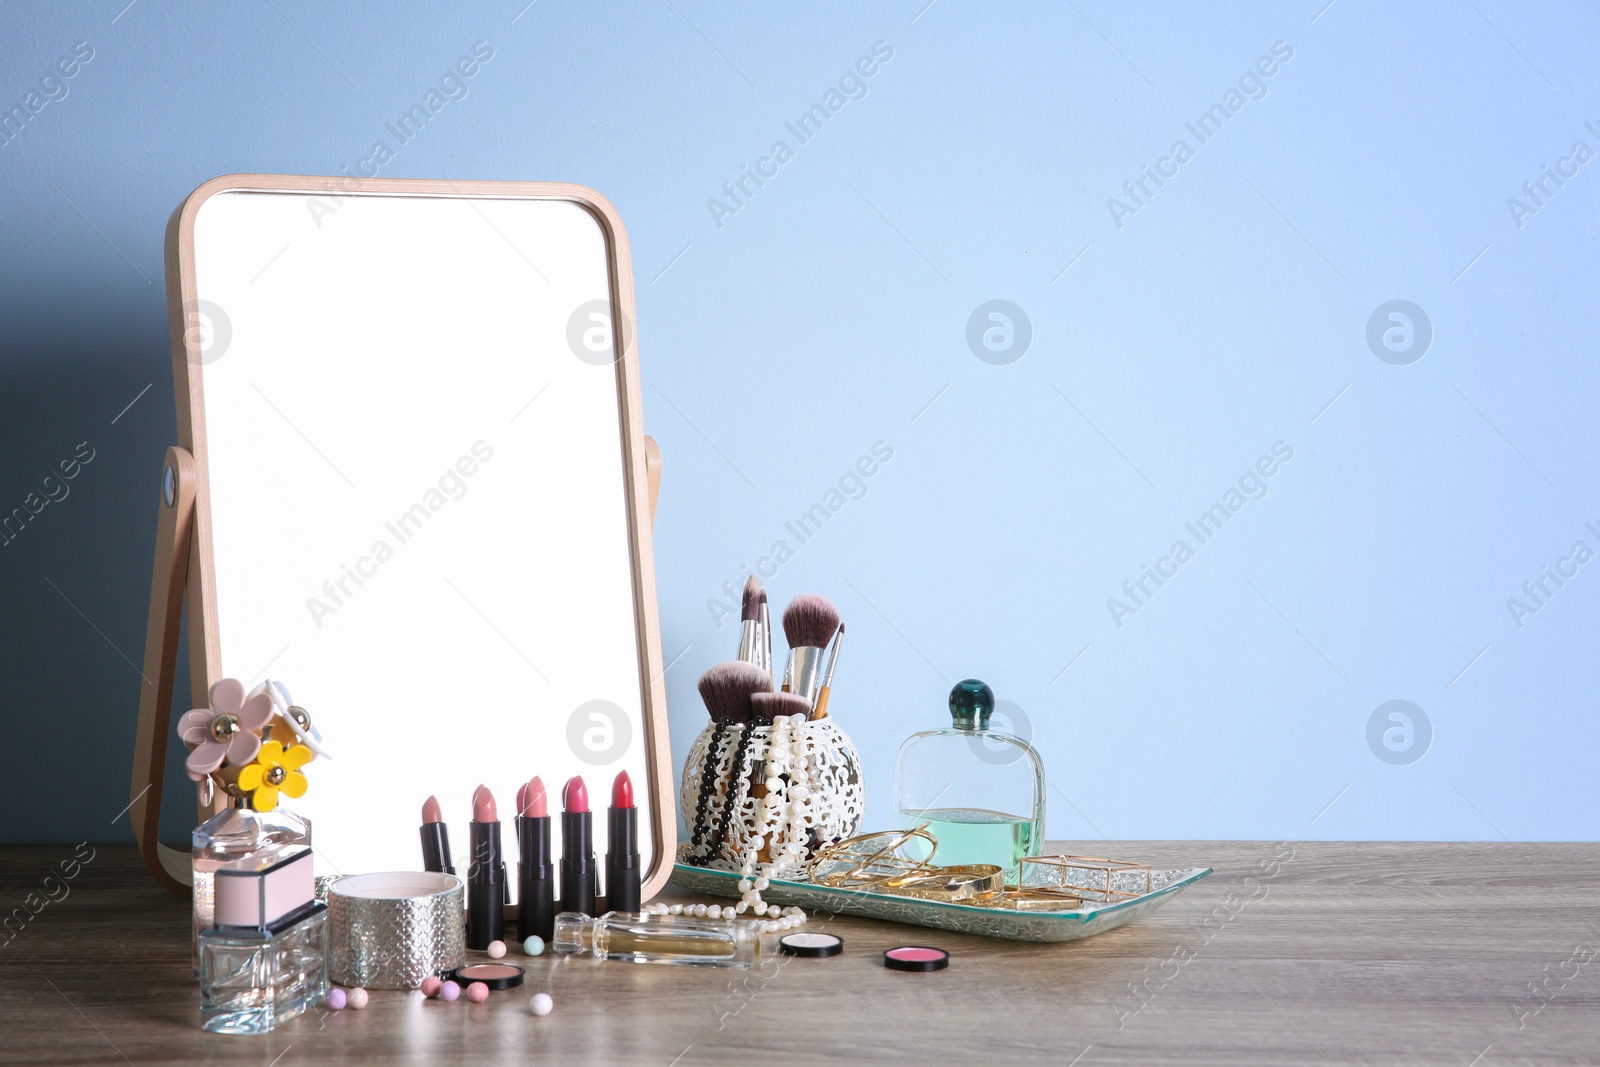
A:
[975, 835]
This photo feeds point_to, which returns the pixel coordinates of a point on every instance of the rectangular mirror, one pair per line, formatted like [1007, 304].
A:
[421, 498]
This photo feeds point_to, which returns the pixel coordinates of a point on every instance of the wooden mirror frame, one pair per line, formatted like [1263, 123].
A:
[184, 574]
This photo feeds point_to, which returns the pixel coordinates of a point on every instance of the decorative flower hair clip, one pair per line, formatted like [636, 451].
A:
[253, 746]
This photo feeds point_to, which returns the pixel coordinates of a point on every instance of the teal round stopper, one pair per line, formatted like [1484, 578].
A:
[971, 703]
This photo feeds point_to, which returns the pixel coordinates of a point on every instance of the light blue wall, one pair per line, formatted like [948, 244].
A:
[781, 340]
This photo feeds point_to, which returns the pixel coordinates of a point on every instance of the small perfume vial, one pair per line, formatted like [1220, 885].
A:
[265, 960]
[979, 791]
[678, 939]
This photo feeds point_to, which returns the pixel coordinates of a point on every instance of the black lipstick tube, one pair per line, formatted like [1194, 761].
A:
[536, 880]
[578, 871]
[436, 848]
[622, 859]
[486, 889]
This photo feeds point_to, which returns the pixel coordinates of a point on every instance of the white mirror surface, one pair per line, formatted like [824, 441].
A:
[417, 494]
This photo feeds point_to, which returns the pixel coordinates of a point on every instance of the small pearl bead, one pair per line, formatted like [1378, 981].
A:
[741, 907]
[774, 911]
[714, 912]
[744, 884]
[773, 785]
[675, 909]
[763, 882]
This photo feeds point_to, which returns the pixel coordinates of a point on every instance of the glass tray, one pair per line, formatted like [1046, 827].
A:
[1094, 917]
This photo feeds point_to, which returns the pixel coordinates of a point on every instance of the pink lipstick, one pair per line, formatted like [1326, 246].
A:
[578, 871]
[536, 874]
[486, 889]
[622, 847]
[435, 839]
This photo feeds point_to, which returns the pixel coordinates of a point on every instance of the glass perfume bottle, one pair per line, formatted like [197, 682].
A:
[229, 835]
[980, 791]
[254, 978]
[677, 939]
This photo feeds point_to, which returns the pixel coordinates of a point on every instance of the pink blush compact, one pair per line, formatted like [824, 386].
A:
[916, 958]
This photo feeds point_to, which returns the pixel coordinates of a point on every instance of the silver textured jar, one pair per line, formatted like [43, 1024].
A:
[392, 930]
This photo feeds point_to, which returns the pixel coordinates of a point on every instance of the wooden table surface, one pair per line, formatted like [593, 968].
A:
[1458, 954]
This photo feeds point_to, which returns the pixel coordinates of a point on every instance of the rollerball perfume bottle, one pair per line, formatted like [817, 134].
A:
[979, 791]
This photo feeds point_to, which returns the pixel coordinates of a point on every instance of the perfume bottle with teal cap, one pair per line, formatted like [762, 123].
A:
[978, 791]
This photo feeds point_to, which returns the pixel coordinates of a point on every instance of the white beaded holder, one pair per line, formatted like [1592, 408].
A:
[812, 782]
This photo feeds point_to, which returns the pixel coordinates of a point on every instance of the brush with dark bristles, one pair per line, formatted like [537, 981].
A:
[809, 622]
[750, 623]
[763, 634]
[764, 709]
[726, 689]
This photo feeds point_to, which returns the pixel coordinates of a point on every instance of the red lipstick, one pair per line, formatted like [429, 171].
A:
[622, 847]
[536, 874]
[578, 871]
[486, 876]
[435, 839]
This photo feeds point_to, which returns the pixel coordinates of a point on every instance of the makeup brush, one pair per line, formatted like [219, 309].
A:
[766, 707]
[749, 621]
[809, 622]
[820, 710]
[764, 630]
[726, 689]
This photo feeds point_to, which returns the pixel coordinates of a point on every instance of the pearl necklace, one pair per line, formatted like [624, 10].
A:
[781, 918]
[782, 811]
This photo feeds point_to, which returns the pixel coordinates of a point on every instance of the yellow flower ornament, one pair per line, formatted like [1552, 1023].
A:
[275, 769]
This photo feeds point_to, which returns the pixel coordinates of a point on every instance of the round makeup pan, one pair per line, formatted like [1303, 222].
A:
[916, 958]
[811, 943]
[493, 975]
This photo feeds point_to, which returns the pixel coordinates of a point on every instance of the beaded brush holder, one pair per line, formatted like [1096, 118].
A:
[825, 793]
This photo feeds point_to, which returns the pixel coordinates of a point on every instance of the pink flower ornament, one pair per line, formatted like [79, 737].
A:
[228, 730]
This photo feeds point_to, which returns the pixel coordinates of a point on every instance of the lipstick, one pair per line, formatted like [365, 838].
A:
[622, 847]
[486, 876]
[578, 873]
[435, 839]
[536, 874]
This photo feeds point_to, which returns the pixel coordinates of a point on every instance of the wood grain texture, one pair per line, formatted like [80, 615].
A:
[1349, 953]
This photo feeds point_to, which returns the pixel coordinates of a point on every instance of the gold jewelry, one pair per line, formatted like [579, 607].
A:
[866, 861]
[972, 883]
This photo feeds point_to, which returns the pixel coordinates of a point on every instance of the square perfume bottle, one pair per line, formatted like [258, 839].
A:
[265, 961]
[977, 790]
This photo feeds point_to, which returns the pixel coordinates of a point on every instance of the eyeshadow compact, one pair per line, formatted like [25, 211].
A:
[808, 943]
[493, 975]
[916, 958]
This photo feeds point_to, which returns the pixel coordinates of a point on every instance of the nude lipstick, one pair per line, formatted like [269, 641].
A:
[435, 839]
[536, 874]
[622, 847]
[578, 872]
[486, 876]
